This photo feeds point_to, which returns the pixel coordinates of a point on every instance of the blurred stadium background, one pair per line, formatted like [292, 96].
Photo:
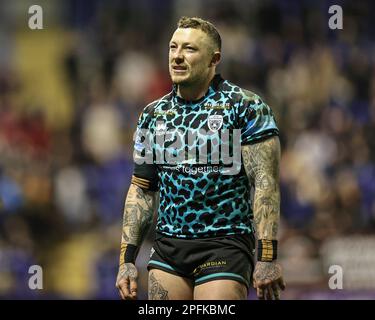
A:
[70, 96]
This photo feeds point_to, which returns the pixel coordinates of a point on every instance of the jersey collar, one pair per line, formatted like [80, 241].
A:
[214, 84]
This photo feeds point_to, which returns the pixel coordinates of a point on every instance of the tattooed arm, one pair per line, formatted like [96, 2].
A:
[138, 217]
[261, 162]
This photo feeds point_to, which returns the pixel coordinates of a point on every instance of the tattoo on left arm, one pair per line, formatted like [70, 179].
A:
[261, 162]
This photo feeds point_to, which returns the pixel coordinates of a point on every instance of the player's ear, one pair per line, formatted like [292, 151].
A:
[215, 59]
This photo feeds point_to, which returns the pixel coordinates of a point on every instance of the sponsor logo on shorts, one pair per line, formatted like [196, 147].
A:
[217, 264]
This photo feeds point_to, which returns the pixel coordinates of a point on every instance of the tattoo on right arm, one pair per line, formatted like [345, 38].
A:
[138, 216]
[128, 270]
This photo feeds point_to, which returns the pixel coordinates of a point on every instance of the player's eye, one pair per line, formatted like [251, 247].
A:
[189, 48]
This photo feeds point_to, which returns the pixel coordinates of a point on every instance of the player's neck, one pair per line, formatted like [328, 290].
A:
[194, 92]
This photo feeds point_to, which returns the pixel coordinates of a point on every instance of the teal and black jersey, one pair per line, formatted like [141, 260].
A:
[190, 151]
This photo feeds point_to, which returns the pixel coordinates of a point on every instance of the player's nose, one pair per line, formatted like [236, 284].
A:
[179, 59]
[178, 56]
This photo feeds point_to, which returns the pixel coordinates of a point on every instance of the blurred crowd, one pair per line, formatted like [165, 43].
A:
[68, 114]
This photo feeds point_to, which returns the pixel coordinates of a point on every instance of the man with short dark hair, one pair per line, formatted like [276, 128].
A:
[198, 152]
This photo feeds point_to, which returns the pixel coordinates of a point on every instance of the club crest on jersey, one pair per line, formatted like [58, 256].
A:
[215, 122]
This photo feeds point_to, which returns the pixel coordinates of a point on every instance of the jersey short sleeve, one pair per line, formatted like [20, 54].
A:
[256, 120]
[145, 173]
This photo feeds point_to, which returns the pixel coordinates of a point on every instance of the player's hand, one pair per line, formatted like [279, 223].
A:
[268, 280]
[126, 281]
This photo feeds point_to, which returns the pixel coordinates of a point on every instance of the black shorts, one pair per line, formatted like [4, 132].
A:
[204, 260]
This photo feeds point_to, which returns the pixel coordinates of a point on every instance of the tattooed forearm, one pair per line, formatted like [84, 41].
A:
[261, 162]
[155, 289]
[138, 215]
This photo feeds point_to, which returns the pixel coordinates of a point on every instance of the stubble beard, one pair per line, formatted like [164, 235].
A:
[178, 80]
[190, 81]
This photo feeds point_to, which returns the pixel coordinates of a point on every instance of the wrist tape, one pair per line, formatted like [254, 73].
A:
[267, 250]
[128, 253]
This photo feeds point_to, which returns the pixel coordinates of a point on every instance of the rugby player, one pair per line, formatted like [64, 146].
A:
[208, 227]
